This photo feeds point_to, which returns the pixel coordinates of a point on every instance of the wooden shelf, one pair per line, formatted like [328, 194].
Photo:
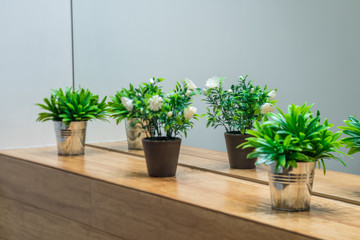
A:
[334, 185]
[108, 195]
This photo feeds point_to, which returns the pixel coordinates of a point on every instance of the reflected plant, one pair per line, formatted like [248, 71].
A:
[237, 108]
[353, 131]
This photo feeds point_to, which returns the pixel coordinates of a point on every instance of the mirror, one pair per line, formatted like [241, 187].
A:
[308, 50]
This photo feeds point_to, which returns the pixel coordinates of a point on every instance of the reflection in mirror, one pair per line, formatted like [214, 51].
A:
[308, 50]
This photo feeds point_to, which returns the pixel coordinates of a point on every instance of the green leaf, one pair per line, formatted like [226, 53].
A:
[72, 105]
[354, 150]
[282, 160]
[287, 141]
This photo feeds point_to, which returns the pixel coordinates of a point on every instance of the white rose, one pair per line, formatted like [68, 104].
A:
[272, 95]
[213, 82]
[189, 112]
[124, 100]
[128, 103]
[188, 92]
[170, 114]
[252, 90]
[190, 84]
[229, 90]
[155, 103]
[151, 80]
[266, 108]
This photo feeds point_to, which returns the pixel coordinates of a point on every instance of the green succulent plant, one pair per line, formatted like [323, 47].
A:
[237, 108]
[296, 136]
[353, 130]
[72, 105]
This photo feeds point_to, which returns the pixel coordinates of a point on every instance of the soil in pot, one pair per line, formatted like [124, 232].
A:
[162, 155]
[237, 156]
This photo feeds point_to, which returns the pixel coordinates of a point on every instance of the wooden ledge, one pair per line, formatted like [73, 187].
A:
[334, 185]
[110, 191]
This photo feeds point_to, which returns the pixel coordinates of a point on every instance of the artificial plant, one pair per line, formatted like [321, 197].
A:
[237, 108]
[72, 105]
[295, 136]
[162, 115]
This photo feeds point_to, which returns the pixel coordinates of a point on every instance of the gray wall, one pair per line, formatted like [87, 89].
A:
[309, 50]
[35, 55]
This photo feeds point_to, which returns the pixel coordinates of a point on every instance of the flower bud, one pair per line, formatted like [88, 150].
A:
[189, 112]
[266, 108]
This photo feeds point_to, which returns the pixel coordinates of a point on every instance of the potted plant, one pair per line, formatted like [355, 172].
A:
[165, 117]
[353, 131]
[236, 109]
[70, 110]
[121, 108]
[291, 144]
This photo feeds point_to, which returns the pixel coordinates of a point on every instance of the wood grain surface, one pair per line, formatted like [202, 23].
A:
[67, 195]
[334, 185]
[132, 193]
[148, 216]
[19, 221]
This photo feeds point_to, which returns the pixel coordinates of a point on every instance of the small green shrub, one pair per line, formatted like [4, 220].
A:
[72, 105]
[162, 115]
[353, 130]
[237, 108]
[296, 136]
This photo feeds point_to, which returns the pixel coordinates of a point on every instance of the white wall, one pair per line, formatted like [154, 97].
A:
[308, 49]
[35, 55]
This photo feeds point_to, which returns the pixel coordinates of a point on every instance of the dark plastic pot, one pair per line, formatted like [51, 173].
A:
[161, 156]
[237, 156]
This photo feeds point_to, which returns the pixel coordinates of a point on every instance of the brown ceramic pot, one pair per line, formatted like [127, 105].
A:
[161, 156]
[237, 156]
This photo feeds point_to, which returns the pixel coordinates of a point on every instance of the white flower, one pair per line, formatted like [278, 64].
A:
[272, 95]
[241, 77]
[229, 90]
[266, 108]
[252, 90]
[188, 92]
[189, 112]
[151, 80]
[190, 84]
[213, 82]
[170, 114]
[124, 100]
[155, 103]
[128, 103]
